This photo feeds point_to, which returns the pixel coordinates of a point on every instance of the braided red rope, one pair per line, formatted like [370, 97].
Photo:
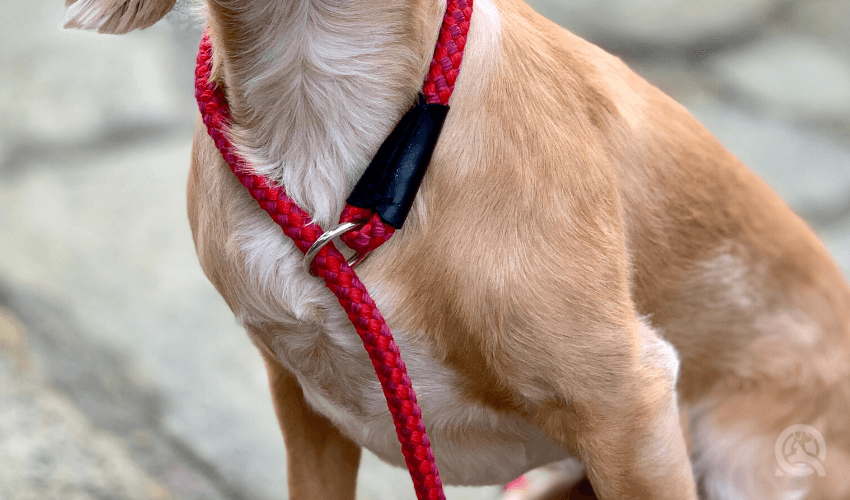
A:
[330, 265]
[438, 88]
[445, 67]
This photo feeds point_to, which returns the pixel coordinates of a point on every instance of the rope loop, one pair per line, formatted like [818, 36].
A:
[372, 233]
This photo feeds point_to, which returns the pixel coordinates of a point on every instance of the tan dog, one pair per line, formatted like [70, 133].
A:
[575, 222]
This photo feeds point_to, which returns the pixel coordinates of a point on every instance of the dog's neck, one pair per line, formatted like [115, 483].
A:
[316, 85]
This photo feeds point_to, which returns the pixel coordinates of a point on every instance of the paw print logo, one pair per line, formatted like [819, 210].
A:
[800, 451]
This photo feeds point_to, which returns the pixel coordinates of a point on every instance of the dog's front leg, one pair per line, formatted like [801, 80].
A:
[629, 436]
[321, 463]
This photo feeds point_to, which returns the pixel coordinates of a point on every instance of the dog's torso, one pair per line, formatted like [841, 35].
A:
[293, 318]
[567, 200]
[584, 264]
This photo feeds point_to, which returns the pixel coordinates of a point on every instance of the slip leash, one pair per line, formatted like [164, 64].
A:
[368, 231]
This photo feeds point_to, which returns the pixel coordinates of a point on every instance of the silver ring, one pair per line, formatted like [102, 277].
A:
[326, 238]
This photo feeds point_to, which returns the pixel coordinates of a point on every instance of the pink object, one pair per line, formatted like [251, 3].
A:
[518, 484]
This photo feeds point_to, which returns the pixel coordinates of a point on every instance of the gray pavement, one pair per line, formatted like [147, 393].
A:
[122, 372]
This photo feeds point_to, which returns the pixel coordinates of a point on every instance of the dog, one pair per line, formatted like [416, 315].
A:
[586, 275]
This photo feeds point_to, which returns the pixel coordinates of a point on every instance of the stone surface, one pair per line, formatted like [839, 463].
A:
[829, 20]
[799, 76]
[67, 86]
[114, 225]
[653, 23]
[48, 448]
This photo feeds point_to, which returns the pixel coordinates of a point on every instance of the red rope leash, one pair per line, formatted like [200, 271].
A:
[330, 265]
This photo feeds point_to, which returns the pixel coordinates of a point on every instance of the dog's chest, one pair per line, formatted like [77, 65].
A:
[473, 445]
[313, 338]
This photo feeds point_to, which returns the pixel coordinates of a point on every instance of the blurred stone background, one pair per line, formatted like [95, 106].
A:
[123, 374]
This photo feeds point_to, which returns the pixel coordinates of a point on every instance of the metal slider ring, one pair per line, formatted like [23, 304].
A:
[326, 238]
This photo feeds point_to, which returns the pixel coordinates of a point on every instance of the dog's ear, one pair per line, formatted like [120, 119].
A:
[115, 16]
